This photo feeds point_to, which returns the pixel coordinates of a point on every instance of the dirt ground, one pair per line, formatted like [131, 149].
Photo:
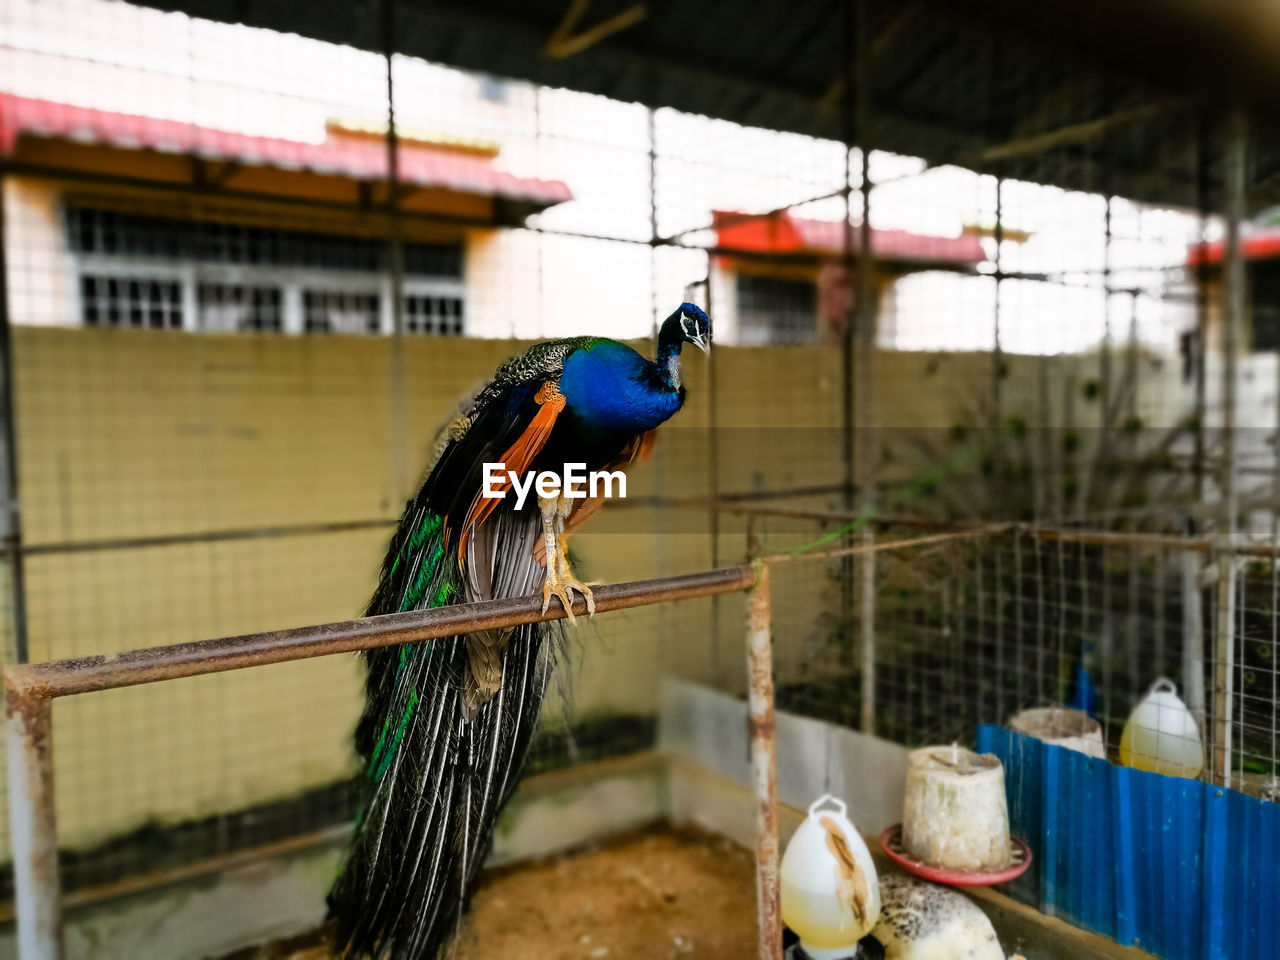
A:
[658, 894]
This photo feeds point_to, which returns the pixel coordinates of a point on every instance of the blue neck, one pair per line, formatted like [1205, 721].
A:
[612, 386]
[667, 364]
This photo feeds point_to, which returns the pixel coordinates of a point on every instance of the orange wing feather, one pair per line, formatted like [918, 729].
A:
[641, 449]
[517, 458]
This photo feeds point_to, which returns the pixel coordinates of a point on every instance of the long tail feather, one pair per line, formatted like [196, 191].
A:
[438, 770]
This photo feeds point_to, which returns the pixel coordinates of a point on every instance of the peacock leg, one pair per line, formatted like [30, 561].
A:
[559, 581]
[565, 572]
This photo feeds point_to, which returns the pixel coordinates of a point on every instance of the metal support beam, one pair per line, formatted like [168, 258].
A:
[10, 505]
[32, 829]
[398, 435]
[1071, 134]
[866, 337]
[1235, 157]
[61, 678]
[564, 42]
[761, 729]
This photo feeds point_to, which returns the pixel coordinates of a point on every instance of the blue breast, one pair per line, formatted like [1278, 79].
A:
[608, 384]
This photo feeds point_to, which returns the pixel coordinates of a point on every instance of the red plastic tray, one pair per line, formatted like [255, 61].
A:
[891, 843]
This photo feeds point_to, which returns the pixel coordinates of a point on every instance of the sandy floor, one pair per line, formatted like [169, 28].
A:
[660, 894]
[657, 895]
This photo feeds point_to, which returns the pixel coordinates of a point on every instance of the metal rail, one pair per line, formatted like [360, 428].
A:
[30, 690]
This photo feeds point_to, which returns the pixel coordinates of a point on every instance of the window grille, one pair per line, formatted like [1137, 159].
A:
[441, 316]
[774, 311]
[240, 278]
[153, 302]
[229, 308]
[335, 311]
[91, 230]
[1264, 291]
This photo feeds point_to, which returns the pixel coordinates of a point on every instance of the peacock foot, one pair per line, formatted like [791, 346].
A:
[565, 573]
[562, 587]
[560, 581]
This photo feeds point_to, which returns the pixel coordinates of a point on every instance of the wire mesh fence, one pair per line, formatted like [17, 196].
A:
[242, 292]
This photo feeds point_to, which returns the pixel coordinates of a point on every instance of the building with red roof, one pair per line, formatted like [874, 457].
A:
[786, 279]
[146, 222]
[1261, 250]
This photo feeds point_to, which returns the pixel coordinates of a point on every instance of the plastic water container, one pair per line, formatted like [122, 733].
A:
[830, 891]
[1161, 735]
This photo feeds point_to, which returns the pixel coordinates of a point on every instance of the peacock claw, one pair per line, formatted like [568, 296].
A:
[560, 581]
[554, 586]
[587, 595]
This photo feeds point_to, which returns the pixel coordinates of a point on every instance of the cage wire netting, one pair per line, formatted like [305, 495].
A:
[235, 326]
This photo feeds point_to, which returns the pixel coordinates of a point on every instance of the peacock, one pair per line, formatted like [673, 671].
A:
[447, 723]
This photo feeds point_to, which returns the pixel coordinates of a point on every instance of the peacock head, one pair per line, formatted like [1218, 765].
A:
[689, 324]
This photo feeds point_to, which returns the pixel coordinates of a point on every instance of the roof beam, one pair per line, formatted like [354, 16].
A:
[565, 43]
[1071, 134]
[881, 43]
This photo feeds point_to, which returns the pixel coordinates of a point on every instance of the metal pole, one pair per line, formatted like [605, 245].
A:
[849, 400]
[1234, 161]
[761, 727]
[62, 678]
[10, 506]
[867, 455]
[32, 828]
[1192, 592]
[401, 474]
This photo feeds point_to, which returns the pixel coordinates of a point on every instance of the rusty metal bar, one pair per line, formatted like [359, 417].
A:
[761, 728]
[10, 506]
[32, 830]
[61, 678]
[31, 688]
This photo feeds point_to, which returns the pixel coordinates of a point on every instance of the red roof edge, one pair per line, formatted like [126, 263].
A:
[1263, 245]
[783, 233]
[357, 158]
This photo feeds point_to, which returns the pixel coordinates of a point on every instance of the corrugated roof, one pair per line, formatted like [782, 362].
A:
[359, 158]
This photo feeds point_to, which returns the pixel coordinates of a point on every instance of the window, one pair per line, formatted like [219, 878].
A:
[107, 232]
[773, 311]
[1264, 295]
[227, 308]
[90, 230]
[433, 315]
[331, 311]
[137, 270]
[107, 301]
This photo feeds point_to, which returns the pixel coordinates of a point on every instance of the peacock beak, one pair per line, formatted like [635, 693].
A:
[703, 342]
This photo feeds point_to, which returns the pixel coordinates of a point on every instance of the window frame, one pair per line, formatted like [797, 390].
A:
[291, 281]
[772, 332]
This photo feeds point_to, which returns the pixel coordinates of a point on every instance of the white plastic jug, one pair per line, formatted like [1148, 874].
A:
[1161, 735]
[830, 891]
